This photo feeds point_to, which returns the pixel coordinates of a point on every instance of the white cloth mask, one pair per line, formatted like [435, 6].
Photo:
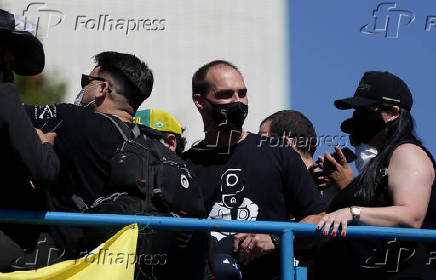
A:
[79, 97]
[364, 153]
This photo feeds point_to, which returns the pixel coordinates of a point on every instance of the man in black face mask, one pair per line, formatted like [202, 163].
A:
[244, 176]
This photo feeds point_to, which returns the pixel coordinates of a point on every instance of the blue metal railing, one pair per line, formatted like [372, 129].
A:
[287, 230]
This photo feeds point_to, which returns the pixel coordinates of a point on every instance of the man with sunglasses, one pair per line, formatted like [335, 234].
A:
[85, 81]
[86, 140]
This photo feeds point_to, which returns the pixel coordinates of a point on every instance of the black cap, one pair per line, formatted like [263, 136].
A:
[28, 51]
[377, 87]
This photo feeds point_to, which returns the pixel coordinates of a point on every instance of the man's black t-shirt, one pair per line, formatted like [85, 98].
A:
[257, 179]
[85, 143]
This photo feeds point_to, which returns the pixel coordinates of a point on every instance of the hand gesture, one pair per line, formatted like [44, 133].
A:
[46, 137]
[318, 176]
[339, 172]
[250, 245]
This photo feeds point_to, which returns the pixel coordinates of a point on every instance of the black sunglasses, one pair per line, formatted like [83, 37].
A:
[86, 79]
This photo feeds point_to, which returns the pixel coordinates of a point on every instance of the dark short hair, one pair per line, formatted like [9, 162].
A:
[199, 83]
[133, 78]
[295, 125]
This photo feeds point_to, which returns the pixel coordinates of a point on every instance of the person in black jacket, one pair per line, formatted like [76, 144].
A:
[87, 142]
[27, 162]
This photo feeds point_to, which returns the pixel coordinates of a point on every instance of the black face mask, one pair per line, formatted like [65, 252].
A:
[347, 126]
[363, 126]
[232, 115]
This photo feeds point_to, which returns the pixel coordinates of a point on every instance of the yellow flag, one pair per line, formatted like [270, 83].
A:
[114, 259]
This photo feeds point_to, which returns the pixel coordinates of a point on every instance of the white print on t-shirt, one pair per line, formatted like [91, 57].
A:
[392, 258]
[232, 186]
[45, 112]
[184, 181]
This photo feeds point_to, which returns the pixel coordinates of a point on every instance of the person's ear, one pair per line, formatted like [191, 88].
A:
[103, 90]
[171, 141]
[198, 101]
[100, 91]
[394, 113]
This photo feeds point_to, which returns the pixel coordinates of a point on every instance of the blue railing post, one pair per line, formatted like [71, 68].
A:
[287, 255]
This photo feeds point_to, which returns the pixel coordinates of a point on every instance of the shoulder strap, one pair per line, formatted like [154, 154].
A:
[136, 131]
[125, 131]
[122, 128]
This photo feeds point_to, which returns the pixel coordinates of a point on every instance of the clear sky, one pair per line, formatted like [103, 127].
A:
[329, 55]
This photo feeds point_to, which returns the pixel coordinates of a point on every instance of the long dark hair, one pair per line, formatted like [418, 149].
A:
[371, 190]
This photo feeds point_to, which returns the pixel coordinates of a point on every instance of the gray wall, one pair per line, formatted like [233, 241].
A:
[189, 33]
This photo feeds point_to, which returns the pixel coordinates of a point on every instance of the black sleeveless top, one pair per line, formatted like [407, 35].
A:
[377, 259]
